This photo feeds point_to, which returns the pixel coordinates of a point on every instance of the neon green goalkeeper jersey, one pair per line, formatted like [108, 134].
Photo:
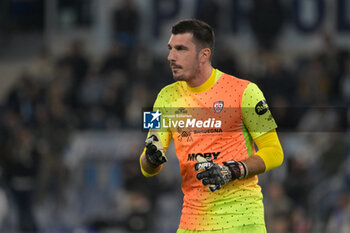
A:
[242, 110]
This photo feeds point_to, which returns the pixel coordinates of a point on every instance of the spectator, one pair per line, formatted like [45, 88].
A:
[113, 100]
[126, 23]
[116, 60]
[24, 98]
[267, 20]
[50, 145]
[300, 222]
[278, 208]
[315, 84]
[43, 68]
[21, 169]
[273, 79]
[339, 219]
[91, 89]
[139, 98]
[143, 60]
[226, 61]
[79, 65]
[329, 57]
[345, 81]
[298, 182]
[209, 12]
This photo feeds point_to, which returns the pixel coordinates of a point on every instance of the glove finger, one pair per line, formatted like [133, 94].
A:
[214, 181]
[203, 166]
[203, 175]
[149, 141]
[201, 159]
[160, 157]
[163, 159]
[151, 149]
[213, 188]
[154, 138]
[157, 154]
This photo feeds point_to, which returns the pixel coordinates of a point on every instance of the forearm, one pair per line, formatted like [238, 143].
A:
[255, 165]
[269, 155]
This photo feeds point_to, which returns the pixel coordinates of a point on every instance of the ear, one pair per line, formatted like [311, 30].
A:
[204, 55]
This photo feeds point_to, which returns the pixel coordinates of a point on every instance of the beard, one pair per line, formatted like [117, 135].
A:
[183, 77]
[176, 76]
[179, 77]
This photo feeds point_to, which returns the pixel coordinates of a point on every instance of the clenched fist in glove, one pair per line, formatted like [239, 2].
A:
[154, 151]
[216, 175]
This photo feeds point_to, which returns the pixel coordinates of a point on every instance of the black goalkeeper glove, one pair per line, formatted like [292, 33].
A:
[216, 175]
[154, 151]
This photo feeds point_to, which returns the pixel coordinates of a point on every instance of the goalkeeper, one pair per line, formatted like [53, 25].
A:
[221, 191]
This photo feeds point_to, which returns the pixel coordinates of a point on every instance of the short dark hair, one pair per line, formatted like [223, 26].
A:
[202, 32]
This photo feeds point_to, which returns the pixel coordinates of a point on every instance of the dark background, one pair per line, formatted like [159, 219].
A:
[75, 76]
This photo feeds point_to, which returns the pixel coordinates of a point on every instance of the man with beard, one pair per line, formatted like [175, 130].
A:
[219, 166]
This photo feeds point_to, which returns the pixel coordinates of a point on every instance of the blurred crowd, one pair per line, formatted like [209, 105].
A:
[60, 95]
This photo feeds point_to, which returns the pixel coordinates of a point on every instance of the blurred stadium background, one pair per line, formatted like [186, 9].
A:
[75, 75]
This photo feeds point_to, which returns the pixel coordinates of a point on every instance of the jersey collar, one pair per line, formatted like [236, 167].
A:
[215, 75]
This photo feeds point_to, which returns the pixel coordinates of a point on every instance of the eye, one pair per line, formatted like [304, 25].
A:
[180, 47]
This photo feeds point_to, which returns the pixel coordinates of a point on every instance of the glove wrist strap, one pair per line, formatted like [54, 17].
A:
[245, 170]
[239, 170]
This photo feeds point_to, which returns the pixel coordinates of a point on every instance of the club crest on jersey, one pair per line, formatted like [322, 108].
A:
[218, 106]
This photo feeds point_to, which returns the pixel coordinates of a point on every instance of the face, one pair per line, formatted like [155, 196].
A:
[183, 56]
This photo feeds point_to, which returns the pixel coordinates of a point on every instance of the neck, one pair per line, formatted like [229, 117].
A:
[202, 76]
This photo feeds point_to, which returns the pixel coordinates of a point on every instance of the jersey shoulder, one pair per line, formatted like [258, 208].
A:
[169, 94]
[171, 89]
[236, 80]
[257, 116]
[232, 84]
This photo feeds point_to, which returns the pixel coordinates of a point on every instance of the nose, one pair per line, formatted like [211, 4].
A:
[171, 55]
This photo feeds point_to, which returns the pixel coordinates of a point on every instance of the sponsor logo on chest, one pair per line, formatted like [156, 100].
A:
[207, 155]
